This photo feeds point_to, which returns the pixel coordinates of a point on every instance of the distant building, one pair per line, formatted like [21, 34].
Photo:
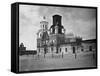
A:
[54, 39]
[88, 45]
[23, 51]
[22, 47]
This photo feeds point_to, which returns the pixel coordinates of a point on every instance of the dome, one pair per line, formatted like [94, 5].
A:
[70, 35]
[45, 35]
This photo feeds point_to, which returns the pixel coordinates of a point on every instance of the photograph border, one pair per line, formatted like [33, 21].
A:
[15, 37]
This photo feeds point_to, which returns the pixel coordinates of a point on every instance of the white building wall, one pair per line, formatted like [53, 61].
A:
[63, 49]
[87, 45]
[78, 49]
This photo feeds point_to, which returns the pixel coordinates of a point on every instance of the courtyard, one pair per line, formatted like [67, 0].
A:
[49, 61]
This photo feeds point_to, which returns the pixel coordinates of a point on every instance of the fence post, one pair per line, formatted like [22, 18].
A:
[38, 55]
[75, 55]
[44, 55]
[62, 54]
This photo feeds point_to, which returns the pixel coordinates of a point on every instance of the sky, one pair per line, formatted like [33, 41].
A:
[79, 21]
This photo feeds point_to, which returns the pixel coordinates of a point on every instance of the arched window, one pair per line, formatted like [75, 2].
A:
[39, 50]
[43, 26]
[48, 32]
[51, 30]
[46, 26]
[53, 41]
[39, 34]
[63, 30]
[46, 41]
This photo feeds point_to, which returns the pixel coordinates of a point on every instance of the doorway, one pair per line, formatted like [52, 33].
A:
[73, 50]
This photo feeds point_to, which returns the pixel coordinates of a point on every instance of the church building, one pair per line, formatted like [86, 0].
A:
[55, 40]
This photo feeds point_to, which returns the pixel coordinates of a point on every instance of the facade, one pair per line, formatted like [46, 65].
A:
[55, 40]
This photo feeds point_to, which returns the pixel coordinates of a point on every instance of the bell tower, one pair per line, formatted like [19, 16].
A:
[57, 27]
[57, 20]
[43, 37]
[57, 33]
[44, 24]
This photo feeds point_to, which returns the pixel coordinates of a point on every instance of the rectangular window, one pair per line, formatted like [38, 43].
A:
[52, 49]
[82, 49]
[66, 49]
[90, 48]
[60, 49]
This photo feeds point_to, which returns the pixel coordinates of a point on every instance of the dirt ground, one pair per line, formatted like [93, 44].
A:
[31, 63]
